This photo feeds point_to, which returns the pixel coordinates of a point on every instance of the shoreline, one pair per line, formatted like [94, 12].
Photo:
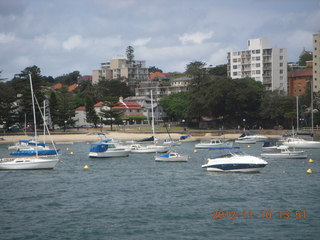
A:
[124, 136]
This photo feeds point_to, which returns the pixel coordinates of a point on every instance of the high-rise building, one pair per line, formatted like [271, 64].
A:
[260, 62]
[120, 68]
[316, 62]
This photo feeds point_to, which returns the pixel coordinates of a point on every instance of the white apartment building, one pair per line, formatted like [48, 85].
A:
[121, 68]
[316, 62]
[264, 64]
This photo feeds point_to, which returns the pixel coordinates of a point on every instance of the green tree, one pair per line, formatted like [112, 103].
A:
[130, 54]
[305, 56]
[278, 109]
[65, 109]
[176, 105]
[68, 79]
[220, 70]
[91, 114]
[154, 69]
[53, 106]
[8, 108]
[111, 88]
[200, 78]
[110, 114]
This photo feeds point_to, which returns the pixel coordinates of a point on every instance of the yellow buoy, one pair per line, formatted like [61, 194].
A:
[86, 167]
[310, 160]
[71, 153]
[249, 146]
[309, 171]
[195, 150]
[67, 149]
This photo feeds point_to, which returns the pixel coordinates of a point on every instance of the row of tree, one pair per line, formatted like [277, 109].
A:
[235, 102]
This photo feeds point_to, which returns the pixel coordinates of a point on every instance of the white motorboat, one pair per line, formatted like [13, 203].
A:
[31, 162]
[285, 153]
[271, 146]
[171, 157]
[300, 143]
[252, 136]
[215, 142]
[106, 149]
[137, 148]
[245, 141]
[171, 142]
[234, 161]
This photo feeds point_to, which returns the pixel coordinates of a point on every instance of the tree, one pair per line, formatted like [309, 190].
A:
[111, 88]
[69, 79]
[65, 109]
[200, 78]
[278, 108]
[53, 106]
[130, 54]
[305, 56]
[111, 115]
[154, 69]
[220, 70]
[176, 105]
[8, 108]
[91, 114]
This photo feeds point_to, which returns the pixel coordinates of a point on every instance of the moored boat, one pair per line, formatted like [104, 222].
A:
[215, 142]
[234, 161]
[171, 157]
[285, 153]
[105, 150]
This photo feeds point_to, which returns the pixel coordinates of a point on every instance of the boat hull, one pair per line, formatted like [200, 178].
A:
[28, 164]
[109, 154]
[284, 155]
[181, 158]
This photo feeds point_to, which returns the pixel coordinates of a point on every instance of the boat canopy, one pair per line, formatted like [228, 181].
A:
[183, 137]
[33, 152]
[98, 147]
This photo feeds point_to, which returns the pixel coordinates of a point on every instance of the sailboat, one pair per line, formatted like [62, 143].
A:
[295, 142]
[137, 148]
[30, 162]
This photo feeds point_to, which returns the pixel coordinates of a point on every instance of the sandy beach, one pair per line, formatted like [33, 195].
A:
[124, 136]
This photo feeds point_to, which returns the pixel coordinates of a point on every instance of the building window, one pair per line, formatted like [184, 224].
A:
[281, 64]
[234, 67]
[281, 71]
[258, 65]
[281, 57]
[235, 74]
[258, 72]
[258, 58]
[257, 51]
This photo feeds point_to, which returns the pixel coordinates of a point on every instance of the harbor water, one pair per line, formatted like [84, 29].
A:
[137, 198]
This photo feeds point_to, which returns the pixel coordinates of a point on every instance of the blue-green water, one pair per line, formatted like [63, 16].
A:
[138, 198]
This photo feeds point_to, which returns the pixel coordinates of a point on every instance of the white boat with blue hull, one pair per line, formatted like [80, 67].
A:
[171, 157]
[234, 161]
[105, 150]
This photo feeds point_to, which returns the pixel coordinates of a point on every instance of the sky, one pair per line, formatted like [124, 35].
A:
[62, 36]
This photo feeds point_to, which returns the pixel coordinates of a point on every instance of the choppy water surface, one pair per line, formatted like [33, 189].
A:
[138, 198]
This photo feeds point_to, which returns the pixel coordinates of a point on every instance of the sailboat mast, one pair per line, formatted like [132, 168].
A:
[44, 122]
[312, 107]
[34, 116]
[152, 116]
[297, 100]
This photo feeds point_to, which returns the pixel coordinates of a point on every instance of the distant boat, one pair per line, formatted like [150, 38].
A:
[137, 148]
[252, 136]
[215, 142]
[171, 157]
[234, 161]
[285, 153]
[31, 162]
[300, 143]
[187, 138]
[246, 141]
[104, 150]
[270, 146]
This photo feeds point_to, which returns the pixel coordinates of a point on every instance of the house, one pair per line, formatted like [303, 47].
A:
[133, 112]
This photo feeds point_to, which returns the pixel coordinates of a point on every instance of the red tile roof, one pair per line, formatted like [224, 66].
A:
[57, 86]
[81, 108]
[156, 75]
[72, 87]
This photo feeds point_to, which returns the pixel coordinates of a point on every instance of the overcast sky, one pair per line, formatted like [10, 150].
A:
[64, 36]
